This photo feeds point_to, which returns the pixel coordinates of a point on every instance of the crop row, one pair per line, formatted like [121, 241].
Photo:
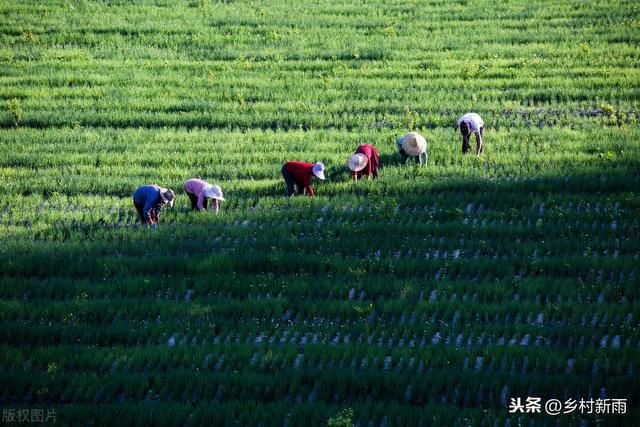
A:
[47, 260]
[312, 354]
[435, 225]
[274, 119]
[333, 287]
[314, 312]
[30, 335]
[446, 385]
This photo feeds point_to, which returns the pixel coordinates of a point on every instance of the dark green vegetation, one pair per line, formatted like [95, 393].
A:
[429, 297]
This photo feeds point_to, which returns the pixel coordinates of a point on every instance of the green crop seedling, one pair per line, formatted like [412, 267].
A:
[431, 296]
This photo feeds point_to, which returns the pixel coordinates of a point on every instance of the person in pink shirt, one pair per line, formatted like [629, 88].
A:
[200, 191]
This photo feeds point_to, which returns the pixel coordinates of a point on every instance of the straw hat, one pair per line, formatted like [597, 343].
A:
[357, 162]
[213, 192]
[167, 196]
[318, 170]
[414, 144]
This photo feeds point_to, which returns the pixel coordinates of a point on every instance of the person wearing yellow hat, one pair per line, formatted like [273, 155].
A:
[364, 162]
[412, 144]
[149, 201]
[200, 191]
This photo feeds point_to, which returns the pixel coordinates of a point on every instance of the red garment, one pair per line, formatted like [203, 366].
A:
[302, 173]
[373, 160]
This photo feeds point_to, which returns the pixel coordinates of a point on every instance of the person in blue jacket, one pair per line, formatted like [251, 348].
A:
[149, 201]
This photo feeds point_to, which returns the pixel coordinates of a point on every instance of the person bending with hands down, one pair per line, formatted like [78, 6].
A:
[471, 122]
[412, 144]
[364, 162]
[200, 191]
[149, 201]
[299, 174]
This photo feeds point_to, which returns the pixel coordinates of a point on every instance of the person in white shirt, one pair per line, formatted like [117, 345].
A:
[471, 122]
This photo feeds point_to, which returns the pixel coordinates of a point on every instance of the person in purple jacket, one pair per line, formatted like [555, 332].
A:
[200, 191]
[149, 201]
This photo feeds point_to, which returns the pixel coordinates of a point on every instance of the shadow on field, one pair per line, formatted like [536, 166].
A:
[449, 197]
[291, 261]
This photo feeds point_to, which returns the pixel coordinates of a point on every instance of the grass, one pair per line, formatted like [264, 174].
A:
[428, 297]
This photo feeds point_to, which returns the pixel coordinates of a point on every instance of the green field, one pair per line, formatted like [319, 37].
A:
[431, 296]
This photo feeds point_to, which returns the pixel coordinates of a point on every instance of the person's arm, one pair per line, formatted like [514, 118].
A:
[424, 157]
[216, 205]
[403, 157]
[307, 186]
[309, 190]
[200, 204]
[478, 144]
[375, 157]
[156, 213]
[152, 217]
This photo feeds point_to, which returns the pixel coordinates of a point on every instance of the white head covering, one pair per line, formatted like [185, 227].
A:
[414, 144]
[318, 170]
[167, 196]
[357, 162]
[213, 192]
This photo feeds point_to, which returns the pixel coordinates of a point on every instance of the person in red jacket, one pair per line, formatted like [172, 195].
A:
[364, 162]
[298, 174]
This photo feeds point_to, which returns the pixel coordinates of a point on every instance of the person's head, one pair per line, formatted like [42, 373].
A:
[318, 170]
[167, 196]
[357, 162]
[465, 129]
[213, 192]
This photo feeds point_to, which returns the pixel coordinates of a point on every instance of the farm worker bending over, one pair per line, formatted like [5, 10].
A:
[200, 191]
[298, 174]
[364, 162]
[468, 123]
[149, 201]
[412, 144]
